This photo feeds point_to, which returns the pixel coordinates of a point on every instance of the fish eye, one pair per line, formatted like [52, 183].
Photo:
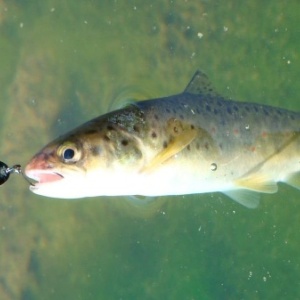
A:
[69, 153]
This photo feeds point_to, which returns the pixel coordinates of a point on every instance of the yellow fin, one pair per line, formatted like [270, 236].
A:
[258, 183]
[180, 137]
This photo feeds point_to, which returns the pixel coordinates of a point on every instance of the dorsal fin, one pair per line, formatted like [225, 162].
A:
[200, 85]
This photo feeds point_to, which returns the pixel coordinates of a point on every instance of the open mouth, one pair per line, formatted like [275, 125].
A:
[41, 176]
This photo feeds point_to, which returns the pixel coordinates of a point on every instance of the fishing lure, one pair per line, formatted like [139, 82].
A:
[5, 172]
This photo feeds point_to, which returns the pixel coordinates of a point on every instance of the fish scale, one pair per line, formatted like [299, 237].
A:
[229, 124]
[193, 142]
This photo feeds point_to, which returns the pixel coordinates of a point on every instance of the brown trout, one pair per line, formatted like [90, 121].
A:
[193, 142]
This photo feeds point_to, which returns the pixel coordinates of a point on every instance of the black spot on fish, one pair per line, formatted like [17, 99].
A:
[109, 127]
[136, 128]
[124, 142]
[168, 110]
[181, 117]
[279, 112]
[256, 108]
[106, 138]
[221, 146]
[198, 111]
[229, 110]
[216, 111]
[154, 135]
[188, 147]
[235, 108]
[247, 108]
[91, 131]
[192, 127]
[292, 117]
[95, 150]
[156, 117]
[165, 144]
[174, 110]
[208, 108]
[266, 112]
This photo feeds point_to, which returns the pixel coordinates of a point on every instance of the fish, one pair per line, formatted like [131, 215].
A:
[189, 143]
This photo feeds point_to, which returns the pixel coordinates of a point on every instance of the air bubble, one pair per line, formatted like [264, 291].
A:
[247, 127]
[213, 166]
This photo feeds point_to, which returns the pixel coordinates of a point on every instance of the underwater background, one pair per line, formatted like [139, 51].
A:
[65, 62]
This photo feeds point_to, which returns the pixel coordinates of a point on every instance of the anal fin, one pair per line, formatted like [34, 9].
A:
[258, 183]
[248, 189]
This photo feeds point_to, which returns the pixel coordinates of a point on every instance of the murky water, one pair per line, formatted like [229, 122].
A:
[64, 62]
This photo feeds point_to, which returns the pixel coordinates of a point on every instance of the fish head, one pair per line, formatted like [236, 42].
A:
[58, 167]
[85, 163]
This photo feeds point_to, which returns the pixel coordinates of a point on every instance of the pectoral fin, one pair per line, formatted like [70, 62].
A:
[246, 198]
[185, 134]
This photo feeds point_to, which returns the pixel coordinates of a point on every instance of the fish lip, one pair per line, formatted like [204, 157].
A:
[43, 177]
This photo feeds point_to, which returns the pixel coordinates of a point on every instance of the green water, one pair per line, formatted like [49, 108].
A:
[64, 62]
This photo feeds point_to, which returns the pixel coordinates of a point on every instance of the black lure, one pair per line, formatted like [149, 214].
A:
[5, 171]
